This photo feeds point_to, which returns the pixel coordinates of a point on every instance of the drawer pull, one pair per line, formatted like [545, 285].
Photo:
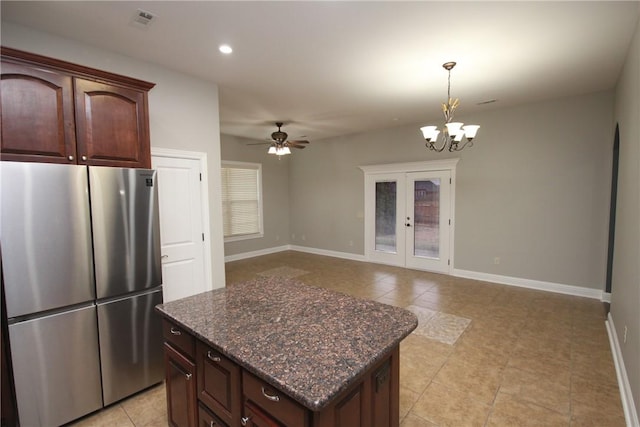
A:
[174, 331]
[273, 398]
[244, 420]
[210, 356]
[188, 376]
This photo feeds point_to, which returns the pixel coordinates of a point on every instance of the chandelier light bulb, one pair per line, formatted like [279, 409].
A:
[454, 128]
[470, 131]
[272, 150]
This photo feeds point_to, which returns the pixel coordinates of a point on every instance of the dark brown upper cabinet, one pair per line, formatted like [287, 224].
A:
[57, 112]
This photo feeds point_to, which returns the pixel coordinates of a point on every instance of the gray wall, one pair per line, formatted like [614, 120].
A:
[534, 190]
[275, 193]
[183, 110]
[625, 289]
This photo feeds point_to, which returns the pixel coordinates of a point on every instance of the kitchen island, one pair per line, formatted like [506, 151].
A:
[276, 352]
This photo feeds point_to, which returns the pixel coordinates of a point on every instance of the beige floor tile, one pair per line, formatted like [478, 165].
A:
[586, 415]
[548, 392]
[445, 407]
[509, 411]
[415, 421]
[477, 381]
[602, 396]
[407, 399]
[148, 408]
[113, 416]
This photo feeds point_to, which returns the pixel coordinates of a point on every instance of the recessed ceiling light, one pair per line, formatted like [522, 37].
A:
[225, 48]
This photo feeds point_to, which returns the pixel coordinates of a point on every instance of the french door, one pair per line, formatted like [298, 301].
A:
[408, 219]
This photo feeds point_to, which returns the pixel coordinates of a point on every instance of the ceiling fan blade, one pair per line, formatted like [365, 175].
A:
[260, 143]
[302, 141]
[297, 146]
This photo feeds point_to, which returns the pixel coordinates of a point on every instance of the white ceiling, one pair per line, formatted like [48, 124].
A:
[333, 68]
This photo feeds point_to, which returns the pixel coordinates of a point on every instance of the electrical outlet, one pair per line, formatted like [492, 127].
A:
[624, 337]
[496, 260]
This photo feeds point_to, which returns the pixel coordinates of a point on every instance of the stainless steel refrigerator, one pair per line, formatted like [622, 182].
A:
[82, 274]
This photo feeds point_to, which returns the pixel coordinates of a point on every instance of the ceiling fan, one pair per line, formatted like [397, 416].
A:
[280, 145]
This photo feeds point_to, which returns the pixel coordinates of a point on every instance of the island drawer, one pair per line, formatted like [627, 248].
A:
[277, 404]
[179, 338]
[207, 419]
[218, 381]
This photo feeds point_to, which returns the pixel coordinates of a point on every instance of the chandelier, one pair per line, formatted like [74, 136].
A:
[453, 133]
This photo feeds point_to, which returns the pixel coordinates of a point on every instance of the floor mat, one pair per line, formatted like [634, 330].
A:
[442, 327]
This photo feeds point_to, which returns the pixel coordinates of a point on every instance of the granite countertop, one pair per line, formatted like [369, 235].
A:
[309, 342]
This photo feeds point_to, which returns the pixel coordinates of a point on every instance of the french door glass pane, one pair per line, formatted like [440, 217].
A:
[386, 195]
[426, 216]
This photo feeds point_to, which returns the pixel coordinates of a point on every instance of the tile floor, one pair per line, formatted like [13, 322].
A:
[527, 358]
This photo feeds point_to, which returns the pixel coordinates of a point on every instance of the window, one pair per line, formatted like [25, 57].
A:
[241, 200]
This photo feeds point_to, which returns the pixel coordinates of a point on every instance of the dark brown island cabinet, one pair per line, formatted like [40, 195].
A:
[206, 387]
[58, 112]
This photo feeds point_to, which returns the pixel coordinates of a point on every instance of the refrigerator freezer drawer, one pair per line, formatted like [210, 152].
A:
[126, 230]
[56, 367]
[130, 345]
[46, 237]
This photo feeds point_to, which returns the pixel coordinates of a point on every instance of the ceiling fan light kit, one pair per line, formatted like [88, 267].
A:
[453, 133]
[280, 145]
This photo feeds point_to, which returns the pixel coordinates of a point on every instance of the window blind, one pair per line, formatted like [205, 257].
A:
[241, 200]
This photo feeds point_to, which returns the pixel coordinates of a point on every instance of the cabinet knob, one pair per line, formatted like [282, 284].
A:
[84, 158]
[244, 420]
[70, 158]
[213, 357]
[174, 331]
[271, 397]
[188, 376]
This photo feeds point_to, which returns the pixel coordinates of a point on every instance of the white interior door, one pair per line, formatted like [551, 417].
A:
[181, 226]
[427, 220]
[408, 219]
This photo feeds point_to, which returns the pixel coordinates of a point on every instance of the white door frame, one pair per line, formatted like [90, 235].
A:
[204, 194]
[370, 171]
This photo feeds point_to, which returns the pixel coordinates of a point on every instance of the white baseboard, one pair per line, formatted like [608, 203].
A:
[606, 297]
[531, 284]
[628, 405]
[259, 252]
[325, 252]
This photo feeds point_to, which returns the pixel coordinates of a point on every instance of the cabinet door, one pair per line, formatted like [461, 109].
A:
[112, 125]
[218, 384]
[181, 388]
[37, 115]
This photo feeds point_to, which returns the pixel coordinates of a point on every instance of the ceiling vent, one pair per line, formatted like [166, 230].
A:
[142, 19]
